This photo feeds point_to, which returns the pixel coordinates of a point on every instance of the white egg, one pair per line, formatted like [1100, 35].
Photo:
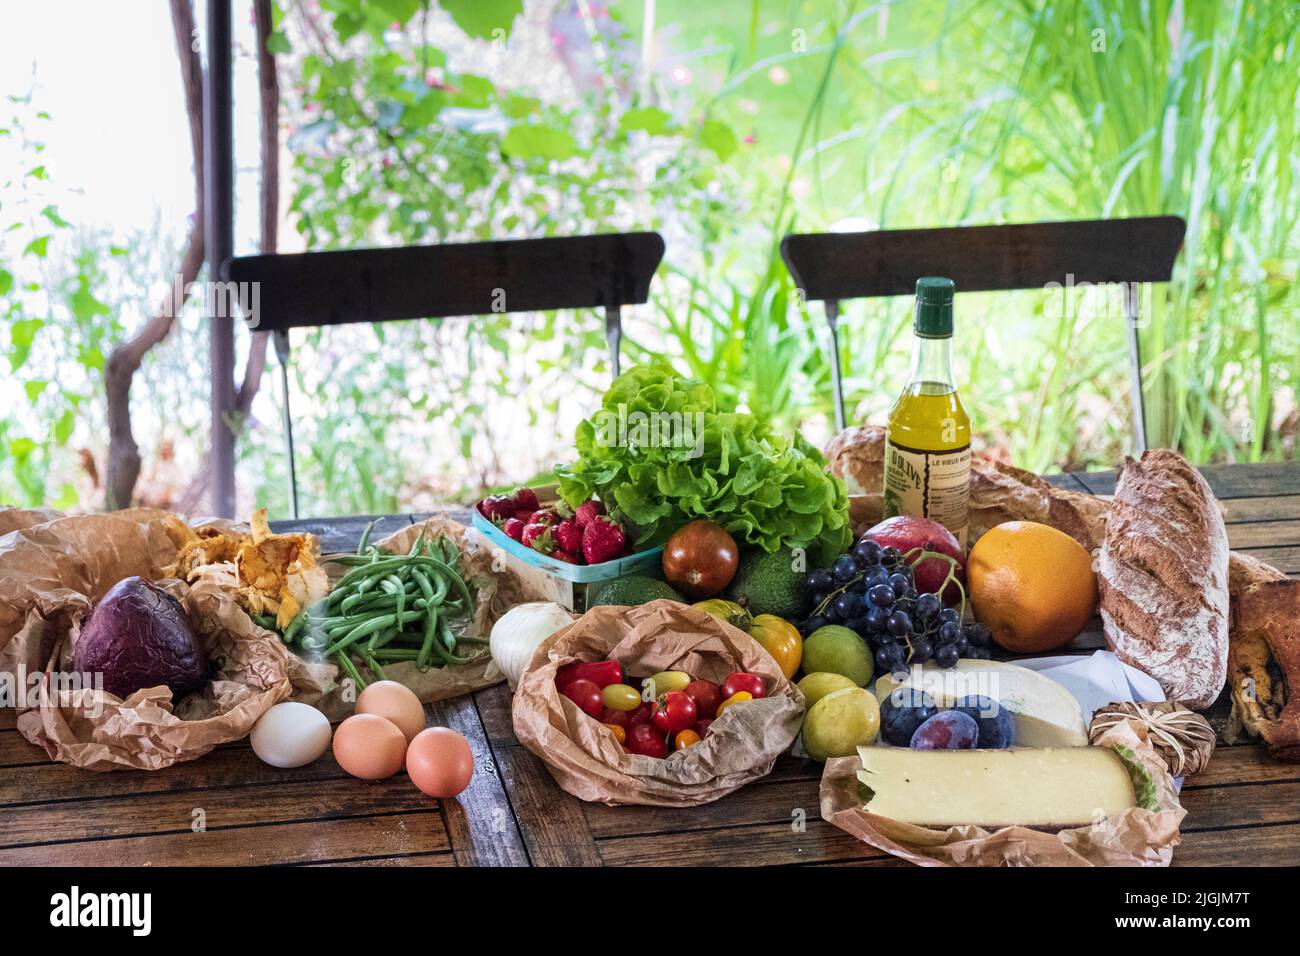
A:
[290, 735]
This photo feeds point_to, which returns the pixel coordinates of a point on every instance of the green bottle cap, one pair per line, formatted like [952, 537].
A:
[933, 307]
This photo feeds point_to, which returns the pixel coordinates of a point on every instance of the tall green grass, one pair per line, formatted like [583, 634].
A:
[1187, 108]
[973, 111]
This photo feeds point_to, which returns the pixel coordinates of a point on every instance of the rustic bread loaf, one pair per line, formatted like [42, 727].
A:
[1163, 577]
[857, 455]
[998, 492]
[1264, 658]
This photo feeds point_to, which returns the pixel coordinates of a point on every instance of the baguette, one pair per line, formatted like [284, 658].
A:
[1163, 578]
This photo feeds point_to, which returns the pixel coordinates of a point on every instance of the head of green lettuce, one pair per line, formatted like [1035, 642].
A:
[658, 453]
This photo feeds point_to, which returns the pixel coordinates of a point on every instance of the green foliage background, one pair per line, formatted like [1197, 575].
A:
[454, 121]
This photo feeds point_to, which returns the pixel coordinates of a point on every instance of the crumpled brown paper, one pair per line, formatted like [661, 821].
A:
[586, 760]
[497, 589]
[52, 573]
[1135, 837]
[15, 519]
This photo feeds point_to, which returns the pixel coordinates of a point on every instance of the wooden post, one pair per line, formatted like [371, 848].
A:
[218, 167]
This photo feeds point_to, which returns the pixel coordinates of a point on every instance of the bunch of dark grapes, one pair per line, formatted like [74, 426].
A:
[871, 590]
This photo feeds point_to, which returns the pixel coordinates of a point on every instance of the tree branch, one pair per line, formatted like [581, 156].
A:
[123, 466]
[268, 87]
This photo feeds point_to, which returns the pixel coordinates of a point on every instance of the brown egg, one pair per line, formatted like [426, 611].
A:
[369, 747]
[440, 762]
[395, 702]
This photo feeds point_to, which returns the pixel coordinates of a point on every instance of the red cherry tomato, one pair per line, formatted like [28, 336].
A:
[702, 726]
[645, 740]
[600, 673]
[673, 712]
[738, 681]
[587, 696]
[706, 694]
[639, 716]
[619, 718]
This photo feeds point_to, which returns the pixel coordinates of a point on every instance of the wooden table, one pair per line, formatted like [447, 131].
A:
[1244, 809]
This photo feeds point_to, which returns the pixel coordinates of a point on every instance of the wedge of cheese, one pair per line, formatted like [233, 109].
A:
[1047, 715]
[1048, 788]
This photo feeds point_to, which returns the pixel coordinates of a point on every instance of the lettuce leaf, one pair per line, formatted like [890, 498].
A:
[659, 453]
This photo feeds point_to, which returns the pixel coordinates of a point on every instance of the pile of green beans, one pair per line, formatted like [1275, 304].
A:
[389, 608]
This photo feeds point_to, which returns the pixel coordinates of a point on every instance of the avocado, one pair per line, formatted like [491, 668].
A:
[634, 589]
[767, 583]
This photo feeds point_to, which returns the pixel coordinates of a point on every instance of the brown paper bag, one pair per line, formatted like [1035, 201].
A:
[1136, 837]
[586, 760]
[16, 519]
[51, 574]
[497, 589]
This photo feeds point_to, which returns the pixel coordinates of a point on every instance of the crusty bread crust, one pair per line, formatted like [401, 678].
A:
[1000, 492]
[1163, 577]
[1264, 659]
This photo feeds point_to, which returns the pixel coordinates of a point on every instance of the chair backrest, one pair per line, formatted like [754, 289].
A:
[830, 267]
[457, 279]
[309, 289]
[851, 265]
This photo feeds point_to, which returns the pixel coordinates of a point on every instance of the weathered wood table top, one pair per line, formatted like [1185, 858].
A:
[1244, 809]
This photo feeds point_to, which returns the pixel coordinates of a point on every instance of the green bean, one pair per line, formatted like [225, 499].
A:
[446, 655]
[448, 638]
[365, 536]
[373, 665]
[345, 662]
[430, 634]
[351, 601]
[361, 630]
[401, 596]
[417, 546]
[395, 655]
[295, 626]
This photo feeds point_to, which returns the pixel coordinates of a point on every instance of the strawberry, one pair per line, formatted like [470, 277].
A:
[525, 499]
[514, 528]
[543, 515]
[602, 540]
[560, 554]
[524, 514]
[495, 507]
[587, 511]
[569, 536]
[537, 535]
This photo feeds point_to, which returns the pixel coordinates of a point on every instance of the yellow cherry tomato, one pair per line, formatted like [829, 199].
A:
[619, 733]
[684, 739]
[664, 682]
[621, 697]
[779, 638]
[735, 698]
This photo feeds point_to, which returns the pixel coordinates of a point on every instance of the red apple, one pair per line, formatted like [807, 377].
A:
[910, 533]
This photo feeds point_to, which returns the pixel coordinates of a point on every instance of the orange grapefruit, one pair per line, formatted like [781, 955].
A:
[1032, 586]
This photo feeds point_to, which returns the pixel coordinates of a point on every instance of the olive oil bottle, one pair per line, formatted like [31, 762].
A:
[927, 443]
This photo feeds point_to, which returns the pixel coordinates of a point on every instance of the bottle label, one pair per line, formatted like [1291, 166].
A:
[929, 484]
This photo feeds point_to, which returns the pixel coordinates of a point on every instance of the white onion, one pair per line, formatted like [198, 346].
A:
[520, 631]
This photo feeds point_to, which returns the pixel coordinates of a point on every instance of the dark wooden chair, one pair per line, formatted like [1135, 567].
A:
[831, 267]
[604, 272]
